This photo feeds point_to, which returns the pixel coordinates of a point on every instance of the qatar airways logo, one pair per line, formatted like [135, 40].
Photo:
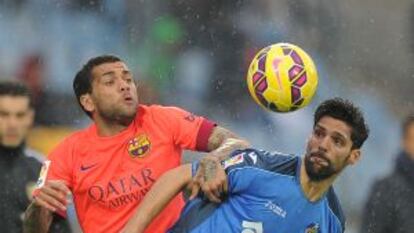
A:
[122, 191]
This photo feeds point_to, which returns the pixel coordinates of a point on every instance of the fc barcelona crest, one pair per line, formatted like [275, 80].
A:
[312, 228]
[139, 146]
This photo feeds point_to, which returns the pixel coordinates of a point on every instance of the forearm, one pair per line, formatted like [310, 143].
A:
[161, 193]
[36, 219]
[222, 142]
[229, 145]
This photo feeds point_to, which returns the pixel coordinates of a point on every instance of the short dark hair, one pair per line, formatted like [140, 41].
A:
[347, 112]
[15, 89]
[407, 122]
[82, 84]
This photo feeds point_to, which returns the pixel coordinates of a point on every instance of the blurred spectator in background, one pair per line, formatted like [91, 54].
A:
[19, 166]
[31, 73]
[158, 53]
[390, 207]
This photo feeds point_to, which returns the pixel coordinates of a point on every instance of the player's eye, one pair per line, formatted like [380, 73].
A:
[3, 114]
[20, 115]
[318, 133]
[109, 82]
[127, 77]
[338, 142]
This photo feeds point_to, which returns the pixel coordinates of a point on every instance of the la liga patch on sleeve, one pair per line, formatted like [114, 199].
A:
[43, 174]
[233, 160]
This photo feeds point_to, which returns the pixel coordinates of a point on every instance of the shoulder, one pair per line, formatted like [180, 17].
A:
[169, 116]
[160, 112]
[33, 160]
[76, 137]
[35, 155]
[67, 145]
[270, 161]
[388, 185]
[335, 207]
[390, 192]
[160, 109]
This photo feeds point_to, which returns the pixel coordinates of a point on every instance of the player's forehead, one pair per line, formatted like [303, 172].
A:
[105, 68]
[14, 103]
[334, 126]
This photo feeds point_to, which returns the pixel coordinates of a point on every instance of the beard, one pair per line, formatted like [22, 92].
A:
[318, 172]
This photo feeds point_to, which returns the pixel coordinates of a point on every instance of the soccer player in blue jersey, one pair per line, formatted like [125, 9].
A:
[270, 191]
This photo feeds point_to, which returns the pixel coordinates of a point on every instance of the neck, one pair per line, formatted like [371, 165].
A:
[11, 150]
[314, 190]
[107, 128]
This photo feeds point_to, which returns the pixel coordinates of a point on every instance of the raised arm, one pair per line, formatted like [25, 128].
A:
[161, 193]
[210, 177]
[222, 142]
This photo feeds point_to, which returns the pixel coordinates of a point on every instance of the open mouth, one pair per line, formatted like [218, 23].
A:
[129, 100]
[319, 160]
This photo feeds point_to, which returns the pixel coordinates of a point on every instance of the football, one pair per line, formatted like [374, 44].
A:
[282, 78]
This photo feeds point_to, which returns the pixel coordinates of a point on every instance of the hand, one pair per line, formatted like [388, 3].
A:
[211, 178]
[52, 196]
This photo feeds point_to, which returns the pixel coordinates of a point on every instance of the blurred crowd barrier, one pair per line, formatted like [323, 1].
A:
[43, 139]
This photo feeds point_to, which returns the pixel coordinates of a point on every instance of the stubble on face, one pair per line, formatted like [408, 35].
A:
[16, 118]
[115, 93]
[328, 149]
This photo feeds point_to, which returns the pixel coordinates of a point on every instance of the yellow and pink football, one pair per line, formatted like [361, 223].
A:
[282, 78]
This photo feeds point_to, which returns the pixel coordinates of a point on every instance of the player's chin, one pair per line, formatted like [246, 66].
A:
[319, 175]
[11, 143]
[318, 171]
[130, 107]
[129, 112]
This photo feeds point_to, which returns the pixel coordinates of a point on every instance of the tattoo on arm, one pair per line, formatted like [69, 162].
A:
[37, 219]
[210, 170]
[222, 142]
[218, 136]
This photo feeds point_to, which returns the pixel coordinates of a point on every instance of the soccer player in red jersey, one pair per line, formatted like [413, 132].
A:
[110, 166]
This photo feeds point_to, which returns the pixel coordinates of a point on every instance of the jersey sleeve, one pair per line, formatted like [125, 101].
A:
[245, 166]
[188, 131]
[58, 165]
[61, 164]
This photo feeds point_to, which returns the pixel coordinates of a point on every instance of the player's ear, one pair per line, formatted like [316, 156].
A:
[87, 103]
[354, 156]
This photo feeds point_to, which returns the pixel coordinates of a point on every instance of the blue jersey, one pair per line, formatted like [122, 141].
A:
[264, 196]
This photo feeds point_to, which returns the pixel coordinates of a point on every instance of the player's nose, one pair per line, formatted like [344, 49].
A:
[124, 85]
[324, 143]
